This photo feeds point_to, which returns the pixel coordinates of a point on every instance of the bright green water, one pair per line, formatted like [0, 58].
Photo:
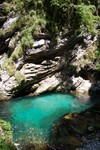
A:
[33, 117]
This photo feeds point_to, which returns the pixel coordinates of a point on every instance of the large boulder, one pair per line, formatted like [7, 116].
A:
[81, 85]
[95, 89]
[74, 131]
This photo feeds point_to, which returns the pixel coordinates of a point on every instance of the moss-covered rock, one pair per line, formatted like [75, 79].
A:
[6, 136]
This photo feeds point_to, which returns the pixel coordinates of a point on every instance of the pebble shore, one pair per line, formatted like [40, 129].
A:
[90, 142]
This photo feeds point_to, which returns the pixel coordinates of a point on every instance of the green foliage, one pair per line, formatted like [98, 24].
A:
[19, 77]
[58, 13]
[17, 53]
[6, 127]
[27, 40]
[9, 66]
[7, 144]
[98, 58]
[90, 54]
[71, 14]
[84, 13]
[27, 34]
[31, 18]
[1, 33]
[72, 69]
[55, 15]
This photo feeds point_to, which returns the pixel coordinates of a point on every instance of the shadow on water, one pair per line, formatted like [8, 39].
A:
[4, 110]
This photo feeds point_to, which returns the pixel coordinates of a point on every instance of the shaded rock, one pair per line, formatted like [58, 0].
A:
[90, 128]
[73, 141]
[37, 72]
[69, 131]
[42, 49]
[84, 56]
[4, 46]
[2, 20]
[35, 146]
[95, 89]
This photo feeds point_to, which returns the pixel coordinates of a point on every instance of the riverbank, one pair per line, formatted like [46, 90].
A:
[78, 131]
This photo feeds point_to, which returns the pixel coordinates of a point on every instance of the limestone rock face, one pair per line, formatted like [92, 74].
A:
[48, 84]
[36, 71]
[84, 56]
[46, 65]
[81, 85]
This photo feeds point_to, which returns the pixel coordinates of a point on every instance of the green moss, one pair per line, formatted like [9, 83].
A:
[7, 32]
[7, 128]
[17, 53]
[8, 7]
[72, 15]
[1, 33]
[33, 28]
[27, 39]
[84, 13]
[91, 53]
[7, 143]
[58, 15]
[9, 66]
[98, 56]
[19, 78]
[28, 23]
[31, 17]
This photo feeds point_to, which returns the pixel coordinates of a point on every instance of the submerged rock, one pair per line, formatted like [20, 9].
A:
[35, 146]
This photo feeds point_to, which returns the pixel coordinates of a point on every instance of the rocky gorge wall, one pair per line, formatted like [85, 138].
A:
[47, 65]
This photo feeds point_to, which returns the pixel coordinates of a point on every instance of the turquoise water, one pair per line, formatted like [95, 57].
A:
[33, 117]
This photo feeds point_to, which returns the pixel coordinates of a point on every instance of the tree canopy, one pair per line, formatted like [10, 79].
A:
[55, 15]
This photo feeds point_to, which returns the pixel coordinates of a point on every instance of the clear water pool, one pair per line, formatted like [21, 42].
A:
[33, 117]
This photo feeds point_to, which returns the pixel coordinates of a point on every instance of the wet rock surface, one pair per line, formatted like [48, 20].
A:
[90, 142]
[78, 131]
